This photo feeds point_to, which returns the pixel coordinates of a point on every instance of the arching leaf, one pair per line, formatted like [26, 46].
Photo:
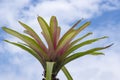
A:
[65, 41]
[32, 52]
[79, 39]
[32, 33]
[32, 43]
[81, 45]
[80, 54]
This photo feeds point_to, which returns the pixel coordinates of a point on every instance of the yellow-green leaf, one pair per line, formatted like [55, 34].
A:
[54, 30]
[32, 52]
[32, 43]
[65, 41]
[46, 31]
[32, 33]
[79, 39]
[80, 54]
[81, 45]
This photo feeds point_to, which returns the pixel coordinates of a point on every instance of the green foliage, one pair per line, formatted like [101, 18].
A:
[58, 51]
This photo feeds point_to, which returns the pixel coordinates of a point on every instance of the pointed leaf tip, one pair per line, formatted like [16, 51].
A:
[105, 37]
[90, 33]
[97, 53]
[109, 45]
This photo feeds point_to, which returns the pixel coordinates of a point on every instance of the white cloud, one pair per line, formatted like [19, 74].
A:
[110, 5]
[9, 11]
[70, 10]
[65, 11]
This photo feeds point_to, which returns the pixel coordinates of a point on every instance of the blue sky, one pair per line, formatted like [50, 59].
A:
[16, 64]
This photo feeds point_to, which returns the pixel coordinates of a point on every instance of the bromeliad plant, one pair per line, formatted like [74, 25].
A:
[58, 51]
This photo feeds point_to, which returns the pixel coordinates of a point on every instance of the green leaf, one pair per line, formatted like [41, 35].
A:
[46, 32]
[67, 38]
[71, 30]
[49, 70]
[55, 31]
[67, 74]
[58, 34]
[80, 54]
[76, 41]
[32, 52]
[31, 42]
[32, 33]
[83, 27]
[80, 29]
[80, 45]
[97, 53]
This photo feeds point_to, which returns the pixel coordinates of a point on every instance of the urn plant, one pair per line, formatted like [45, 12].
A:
[58, 51]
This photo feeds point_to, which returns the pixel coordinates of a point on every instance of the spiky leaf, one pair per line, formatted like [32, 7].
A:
[80, 54]
[80, 45]
[32, 33]
[32, 43]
